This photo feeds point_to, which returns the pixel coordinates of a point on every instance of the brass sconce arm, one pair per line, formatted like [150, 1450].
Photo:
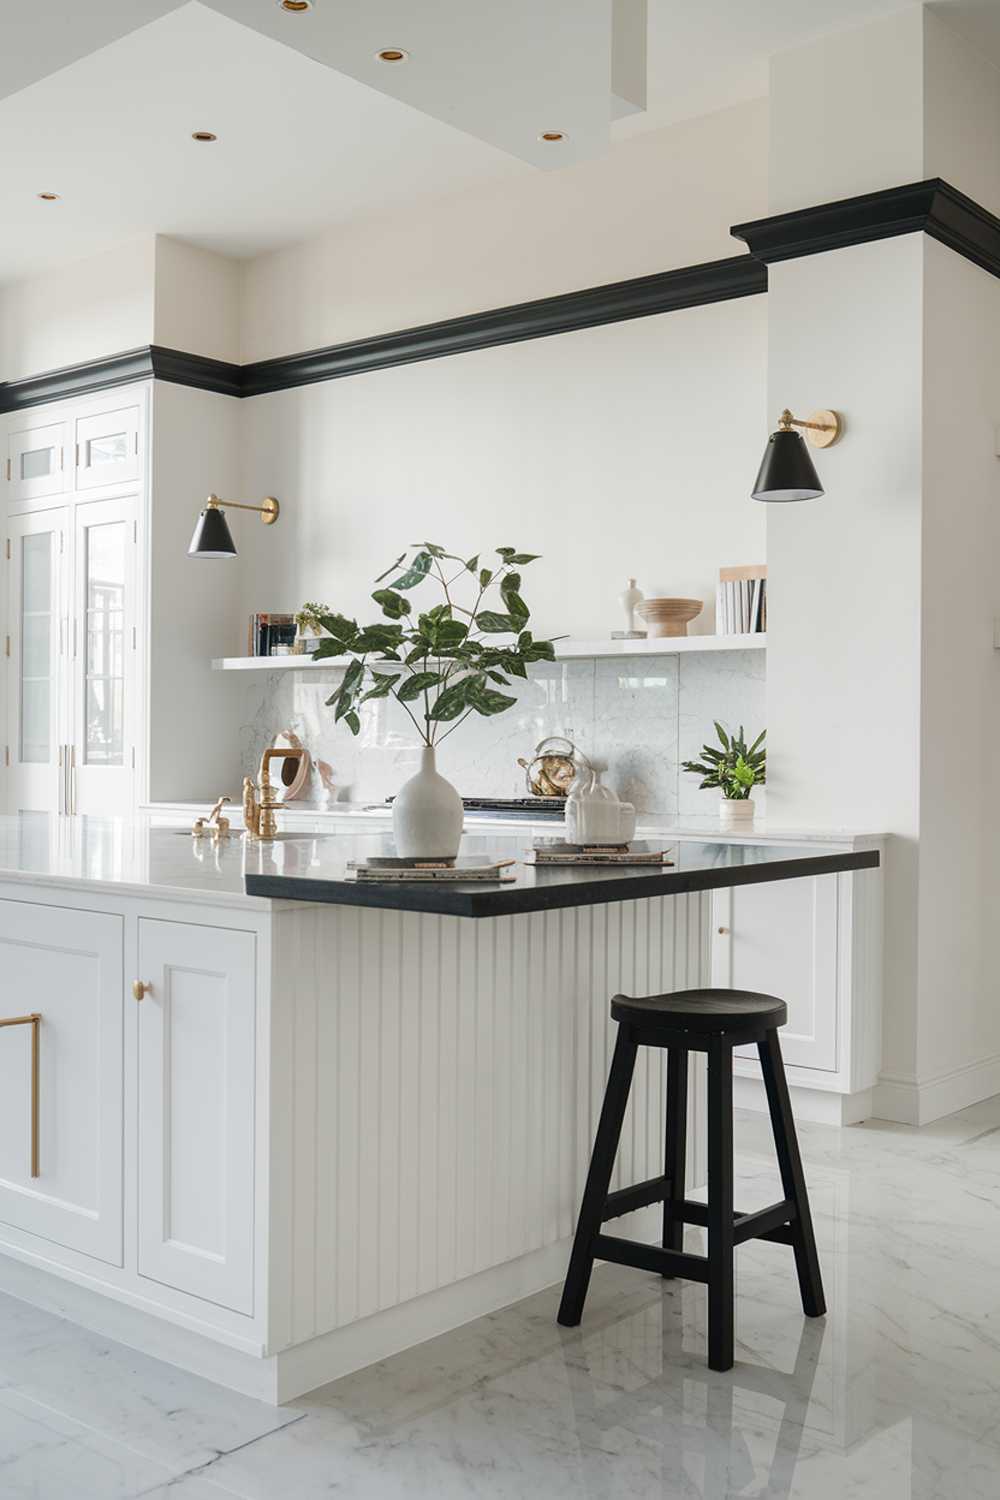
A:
[823, 427]
[269, 511]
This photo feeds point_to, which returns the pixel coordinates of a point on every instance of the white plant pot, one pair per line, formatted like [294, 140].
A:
[735, 812]
[427, 815]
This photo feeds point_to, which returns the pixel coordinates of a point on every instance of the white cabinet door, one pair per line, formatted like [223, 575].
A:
[36, 456]
[107, 448]
[781, 939]
[37, 628]
[102, 771]
[65, 967]
[196, 1110]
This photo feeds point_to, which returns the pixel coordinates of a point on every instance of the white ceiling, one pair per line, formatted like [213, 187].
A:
[98, 99]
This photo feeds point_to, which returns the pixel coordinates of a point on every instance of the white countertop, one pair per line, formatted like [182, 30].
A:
[156, 855]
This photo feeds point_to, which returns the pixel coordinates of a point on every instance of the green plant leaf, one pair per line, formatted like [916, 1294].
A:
[496, 624]
[485, 578]
[393, 604]
[353, 722]
[487, 702]
[415, 573]
[383, 682]
[723, 736]
[453, 701]
[522, 559]
[343, 631]
[327, 648]
[473, 563]
[378, 638]
[412, 687]
[516, 607]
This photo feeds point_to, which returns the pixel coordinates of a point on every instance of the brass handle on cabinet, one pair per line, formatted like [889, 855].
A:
[723, 931]
[140, 988]
[32, 1021]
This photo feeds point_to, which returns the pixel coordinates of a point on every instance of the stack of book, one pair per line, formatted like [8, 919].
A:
[429, 869]
[555, 852]
[269, 630]
[741, 600]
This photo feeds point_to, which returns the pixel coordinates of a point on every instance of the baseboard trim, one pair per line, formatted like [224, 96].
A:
[820, 1106]
[909, 1101]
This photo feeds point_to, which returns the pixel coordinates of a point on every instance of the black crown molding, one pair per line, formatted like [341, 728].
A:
[666, 291]
[933, 207]
[642, 297]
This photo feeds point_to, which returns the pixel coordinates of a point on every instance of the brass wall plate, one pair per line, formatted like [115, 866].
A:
[830, 427]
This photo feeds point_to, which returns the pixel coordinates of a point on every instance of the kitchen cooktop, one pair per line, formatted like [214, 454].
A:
[517, 807]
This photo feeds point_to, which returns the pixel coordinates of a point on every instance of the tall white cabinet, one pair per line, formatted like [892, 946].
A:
[75, 493]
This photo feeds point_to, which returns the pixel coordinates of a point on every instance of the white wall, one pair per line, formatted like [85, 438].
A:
[627, 449]
[193, 607]
[95, 307]
[658, 201]
[197, 300]
[959, 995]
[962, 114]
[847, 113]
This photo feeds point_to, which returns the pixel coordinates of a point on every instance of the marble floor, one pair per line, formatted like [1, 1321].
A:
[894, 1396]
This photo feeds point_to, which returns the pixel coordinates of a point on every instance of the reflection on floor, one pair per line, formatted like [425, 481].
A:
[894, 1396]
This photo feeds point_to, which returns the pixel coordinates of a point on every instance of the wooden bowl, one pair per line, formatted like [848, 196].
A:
[665, 617]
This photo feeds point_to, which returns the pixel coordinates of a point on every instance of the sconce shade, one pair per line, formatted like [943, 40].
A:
[212, 537]
[786, 471]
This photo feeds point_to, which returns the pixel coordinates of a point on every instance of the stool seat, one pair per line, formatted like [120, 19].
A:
[707, 1012]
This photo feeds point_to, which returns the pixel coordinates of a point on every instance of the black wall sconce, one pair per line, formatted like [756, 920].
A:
[787, 472]
[212, 537]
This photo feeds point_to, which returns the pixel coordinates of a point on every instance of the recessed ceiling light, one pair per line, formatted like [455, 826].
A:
[203, 135]
[295, 7]
[553, 135]
[392, 55]
[49, 197]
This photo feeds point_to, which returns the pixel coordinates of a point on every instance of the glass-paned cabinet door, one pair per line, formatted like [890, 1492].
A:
[107, 448]
[36, 456]
[36, 647]
[104, 659]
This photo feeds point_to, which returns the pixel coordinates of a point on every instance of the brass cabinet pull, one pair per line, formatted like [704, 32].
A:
[140, 988]
[723, 931]
[32, 1021]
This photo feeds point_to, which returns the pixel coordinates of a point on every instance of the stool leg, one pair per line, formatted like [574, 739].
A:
[792, 1177]
[720, 1204]
[675, 1148]
[602, 1164]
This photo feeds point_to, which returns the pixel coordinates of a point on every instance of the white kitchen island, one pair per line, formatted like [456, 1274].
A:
[278, 1136]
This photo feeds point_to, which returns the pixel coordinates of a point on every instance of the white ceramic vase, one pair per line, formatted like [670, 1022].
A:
[736, 812]
[427, 814]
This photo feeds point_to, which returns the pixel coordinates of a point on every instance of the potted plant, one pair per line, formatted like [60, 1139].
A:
[735, 768]
[441, 665]
[309, 625]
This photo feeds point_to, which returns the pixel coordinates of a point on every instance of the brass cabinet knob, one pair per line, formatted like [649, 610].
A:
[723, 931]
[139, 988]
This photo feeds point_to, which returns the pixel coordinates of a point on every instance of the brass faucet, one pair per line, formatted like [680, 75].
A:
[259, 803]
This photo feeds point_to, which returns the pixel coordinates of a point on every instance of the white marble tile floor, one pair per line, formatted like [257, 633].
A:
[895, 1395]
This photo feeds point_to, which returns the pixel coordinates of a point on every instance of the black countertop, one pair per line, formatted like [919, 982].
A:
[317, 872]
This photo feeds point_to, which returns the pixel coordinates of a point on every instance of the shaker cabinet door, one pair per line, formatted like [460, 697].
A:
[107, 448]
[61, 1076]
[781, 939]
[196, 1110]
[36, 460]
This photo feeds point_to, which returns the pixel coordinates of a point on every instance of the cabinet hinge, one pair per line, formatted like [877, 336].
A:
[6, 650]
[8, 471]
[77, 455]
[135, 532]
[133, 637]
[133, 757]
[6, 755]
[8, 549]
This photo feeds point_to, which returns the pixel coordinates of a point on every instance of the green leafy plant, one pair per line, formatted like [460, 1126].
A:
[449, 661]
[310, 618]
[735, 768]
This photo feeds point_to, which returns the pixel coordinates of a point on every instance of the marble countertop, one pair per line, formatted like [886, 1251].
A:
[158, 857]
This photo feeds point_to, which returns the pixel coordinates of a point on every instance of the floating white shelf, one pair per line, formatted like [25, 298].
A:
[567, 650]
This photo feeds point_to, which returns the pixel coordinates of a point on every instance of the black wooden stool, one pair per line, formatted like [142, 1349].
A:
[711, 1021]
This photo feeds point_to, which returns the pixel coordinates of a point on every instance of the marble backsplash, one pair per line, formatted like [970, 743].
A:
[637, 719]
